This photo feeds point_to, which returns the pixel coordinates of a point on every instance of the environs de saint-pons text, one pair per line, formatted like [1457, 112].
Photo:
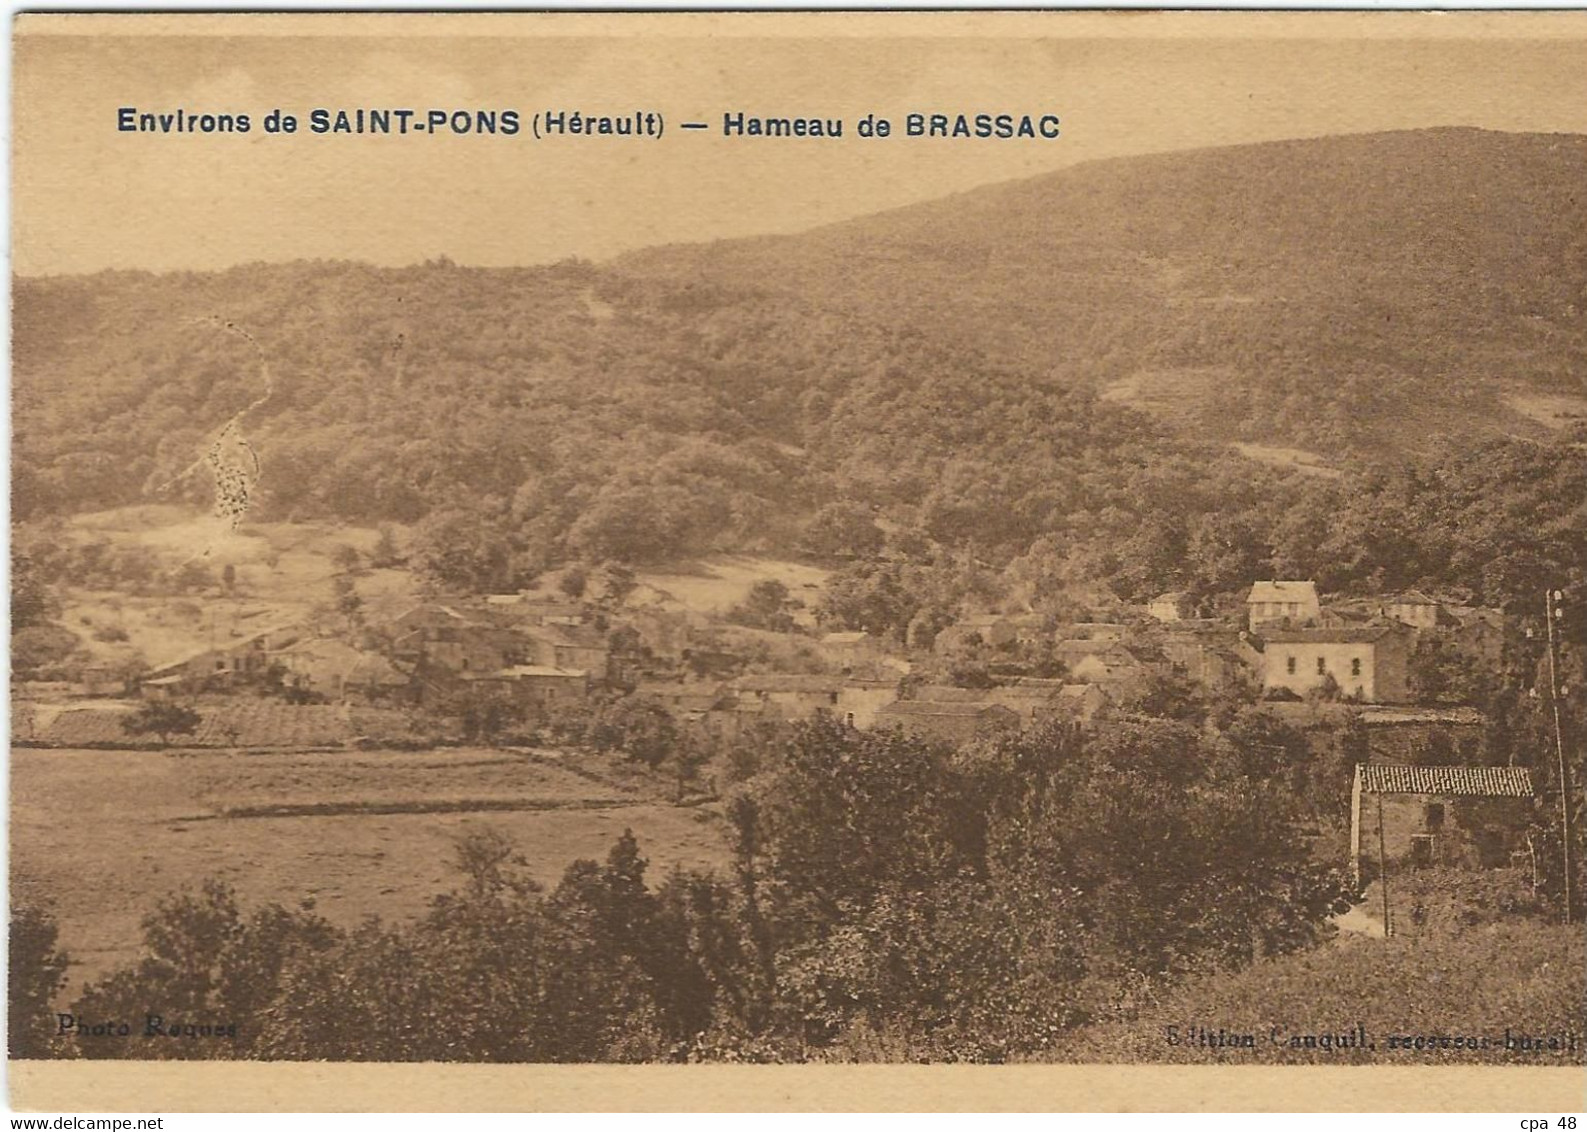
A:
[565, 123]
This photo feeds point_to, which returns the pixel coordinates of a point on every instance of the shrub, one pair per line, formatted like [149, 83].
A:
[36, 973]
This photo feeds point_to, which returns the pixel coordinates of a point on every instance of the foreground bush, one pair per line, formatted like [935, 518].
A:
[1524, 977]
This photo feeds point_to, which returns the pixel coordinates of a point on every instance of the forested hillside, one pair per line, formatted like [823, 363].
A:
[1324, 293]
[1042, 377]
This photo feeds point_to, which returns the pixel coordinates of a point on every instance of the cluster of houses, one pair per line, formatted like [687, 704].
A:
[1288, 647]
[543, 652]
[552, 652]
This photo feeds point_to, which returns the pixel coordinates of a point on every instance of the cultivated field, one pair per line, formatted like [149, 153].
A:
[102, 835]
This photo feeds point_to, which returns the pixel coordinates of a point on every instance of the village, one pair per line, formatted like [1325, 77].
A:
[534, 668]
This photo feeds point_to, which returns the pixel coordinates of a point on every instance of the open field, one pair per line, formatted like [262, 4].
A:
[1553, 411]
[283, 570]
[715, 585]
[1297, 459]
[103, 835]
[1169, 394]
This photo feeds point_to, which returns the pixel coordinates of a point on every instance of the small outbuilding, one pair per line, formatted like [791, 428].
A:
[1471, 816]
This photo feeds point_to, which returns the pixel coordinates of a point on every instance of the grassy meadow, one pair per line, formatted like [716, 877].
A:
[101, 836]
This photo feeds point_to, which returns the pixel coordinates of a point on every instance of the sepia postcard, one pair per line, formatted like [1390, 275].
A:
[836, 561]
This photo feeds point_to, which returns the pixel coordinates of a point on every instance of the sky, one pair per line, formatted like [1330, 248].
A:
[86, 196]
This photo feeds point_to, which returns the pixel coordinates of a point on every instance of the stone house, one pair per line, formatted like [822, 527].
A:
[1369, 663]
[336, 670]
[1274, 602]
[701, 704]
[1171, 607]
[1115, 668]
[536, 684]
[846, 650]
[1212, 654]
[779, 696]
[442, 637]
[99, 680]
[1422, 734]
[1417, 610]
[316, 666]
[860, 699]
[1471, 816]
[566, 646]
[1076, 703]
[240, 660]
[535, 609]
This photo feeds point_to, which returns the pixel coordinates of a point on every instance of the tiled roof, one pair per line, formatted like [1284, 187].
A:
[1076, 691]
[1355, 635]
[945, 694]
[520, 671]
[568, 636]
[1373, 715]
[1087, 647]
[1467, 781]
[1412, 597]
[934, 707]
[1283, 591]
[776, 682]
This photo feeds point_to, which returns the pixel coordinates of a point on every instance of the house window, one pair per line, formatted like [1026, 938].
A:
[1355, 666]
[832, 697]
[1322, 666]
[1289, 666]
[1422, 849]
[1433, 817]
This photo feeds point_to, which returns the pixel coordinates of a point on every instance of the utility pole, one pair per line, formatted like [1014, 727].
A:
[1383, 868]
[1551, 604]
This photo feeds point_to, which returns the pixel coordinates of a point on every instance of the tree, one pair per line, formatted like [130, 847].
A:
[765, 607]
[468, 550]
[346, 558]
[686, 759]
[620, 582]
[386, 553]
[1440, 673]
[204, 960]
[573, 582]
[1265, 746]
[162, 718]
[37, 971]
[32, 603]
[348, 603]
[643, 731]
[1166, 694]
[844, 528]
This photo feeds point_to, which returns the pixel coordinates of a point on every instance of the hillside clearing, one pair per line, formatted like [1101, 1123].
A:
[715, 585]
